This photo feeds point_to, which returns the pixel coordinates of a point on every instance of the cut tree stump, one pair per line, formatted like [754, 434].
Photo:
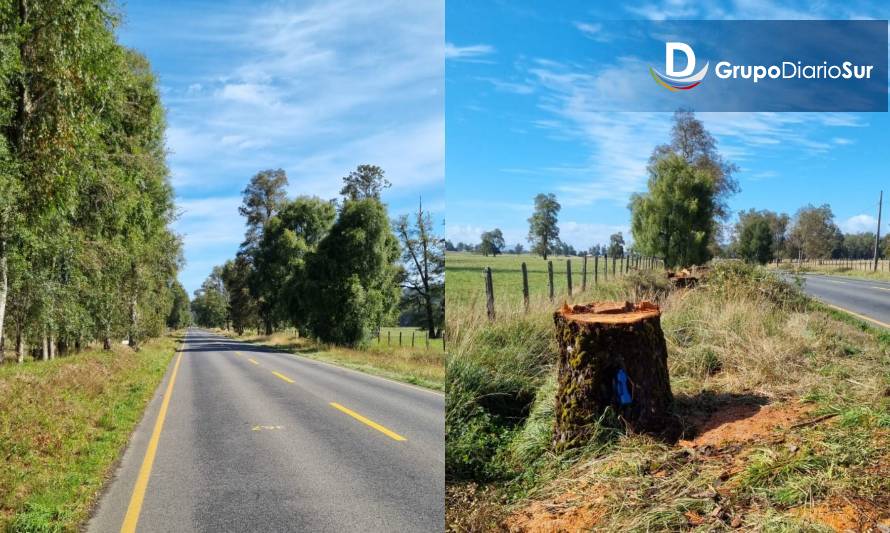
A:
[612, 356]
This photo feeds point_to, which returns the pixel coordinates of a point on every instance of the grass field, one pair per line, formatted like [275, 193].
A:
[854, 269]
[785, 408]
[465, 280]
[419, 365]
[63, 424]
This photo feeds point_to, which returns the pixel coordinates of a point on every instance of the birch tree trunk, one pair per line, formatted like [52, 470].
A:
[4, 286]
[44, 352]
[19, 348]
[52, 346]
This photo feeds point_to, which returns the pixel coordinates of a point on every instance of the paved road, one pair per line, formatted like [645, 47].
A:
[869, 299]
[255, 440]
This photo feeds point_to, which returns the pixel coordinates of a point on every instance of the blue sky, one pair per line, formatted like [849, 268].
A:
[524, 86]
[315, 88]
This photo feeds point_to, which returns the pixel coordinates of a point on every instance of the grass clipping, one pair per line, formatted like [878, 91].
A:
[782, 405]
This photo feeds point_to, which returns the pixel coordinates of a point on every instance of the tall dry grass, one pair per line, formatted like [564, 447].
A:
[744, 333]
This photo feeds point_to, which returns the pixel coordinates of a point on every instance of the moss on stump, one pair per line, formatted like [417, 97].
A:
[612, 356]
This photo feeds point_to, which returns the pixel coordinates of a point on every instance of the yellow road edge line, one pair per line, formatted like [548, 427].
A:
[282, 376]
[253, 361]
[138, 496]
[389, 433]
[857, 315]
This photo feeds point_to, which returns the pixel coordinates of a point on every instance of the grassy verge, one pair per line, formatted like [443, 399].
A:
[861, 270]
[64, 424]
[418, 365]
[785, 407]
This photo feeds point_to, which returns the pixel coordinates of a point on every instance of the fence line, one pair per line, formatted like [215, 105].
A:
[390, 339]
[841, 262]
[620, 266]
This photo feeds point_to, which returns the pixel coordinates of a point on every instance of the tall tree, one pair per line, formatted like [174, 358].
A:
[675, 218]
[263, 197]
[543, 232]
[236, 275]
[279, 259]
[755, 241]
[423, 255]
[352, 278]
[366, 181]
[492, 242]
[814, 233]
[691, 141]
[616, 245]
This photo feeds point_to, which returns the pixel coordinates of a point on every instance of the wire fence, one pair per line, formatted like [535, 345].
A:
[589, 271]
[407, 338]
[865, 265]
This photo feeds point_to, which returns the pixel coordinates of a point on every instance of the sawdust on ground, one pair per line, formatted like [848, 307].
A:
[745, 422]
[568, 513]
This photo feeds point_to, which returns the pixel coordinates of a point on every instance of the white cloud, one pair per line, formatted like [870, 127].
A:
[463, 233]
[583, 235]
[473, 51]
[859, 224]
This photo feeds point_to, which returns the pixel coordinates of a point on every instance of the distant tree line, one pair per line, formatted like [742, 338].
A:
[812, 233]
[336, 270]
[684, 213]
[86, 253]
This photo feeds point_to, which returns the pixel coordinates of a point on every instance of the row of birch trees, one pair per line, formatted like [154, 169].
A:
[86, 253]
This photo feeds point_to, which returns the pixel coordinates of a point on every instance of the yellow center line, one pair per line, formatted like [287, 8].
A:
[857, 315]
[253, 361]
[135, 506]
[282, 376]
[389, 433]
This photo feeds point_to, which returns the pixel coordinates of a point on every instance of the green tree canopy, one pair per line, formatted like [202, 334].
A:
[492, 242]
[814, 234]
[674, 219]
[543, 231]
[365, 182]
[352, 278]
[755, 240]
[616, 245]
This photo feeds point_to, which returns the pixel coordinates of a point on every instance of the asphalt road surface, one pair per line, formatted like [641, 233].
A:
[256, 440]
[870, 300]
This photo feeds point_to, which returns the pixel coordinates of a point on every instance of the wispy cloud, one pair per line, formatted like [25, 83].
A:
[314, 87]
[469, 52]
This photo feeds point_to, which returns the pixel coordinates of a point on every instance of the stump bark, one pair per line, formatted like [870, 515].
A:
[612, 356]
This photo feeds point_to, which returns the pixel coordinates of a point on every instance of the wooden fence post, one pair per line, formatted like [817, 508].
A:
[412, 338]
[596, 269]
[605, 267]
[584, 274]
[569, 275]
[489, 296]
[388, 333]
[550, 277]
[525, 286]
[400, 338]
[614, 262]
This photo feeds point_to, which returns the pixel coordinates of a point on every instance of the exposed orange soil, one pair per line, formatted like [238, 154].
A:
[744, 422]
[845, 515]
[569, 513]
